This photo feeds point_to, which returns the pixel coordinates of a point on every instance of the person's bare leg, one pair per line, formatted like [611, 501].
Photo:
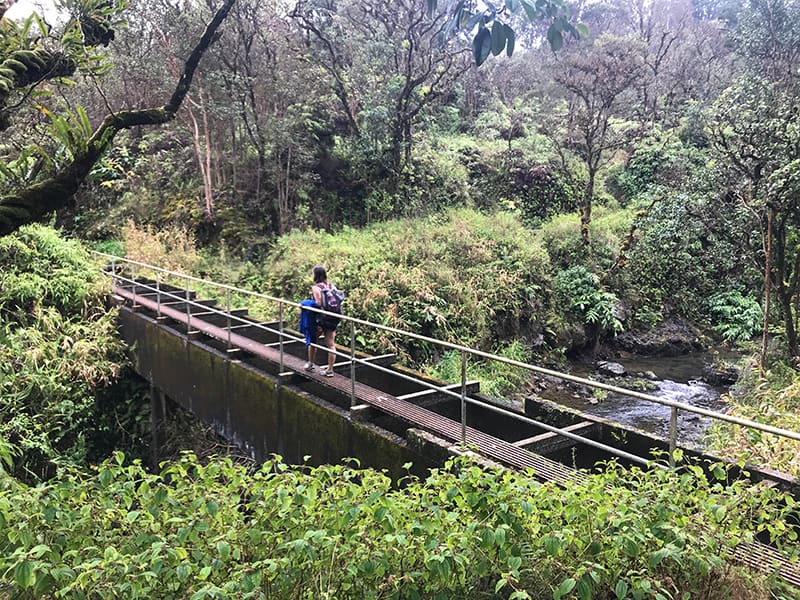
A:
[330, 342]
[312, 355]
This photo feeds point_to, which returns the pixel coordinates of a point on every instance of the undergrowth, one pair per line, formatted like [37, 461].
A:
[216, 530]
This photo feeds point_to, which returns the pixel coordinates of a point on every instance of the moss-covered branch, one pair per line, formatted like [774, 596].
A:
[36, 200]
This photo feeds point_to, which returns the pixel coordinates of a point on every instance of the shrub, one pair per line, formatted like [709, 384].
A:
[773, 398]
[59, 346]
[39, 268]
[171, 248]
[577, 293]
[497, 380]
[657, 163]
[216, 531]
[736, 318]
[461, 276]
[677, 263]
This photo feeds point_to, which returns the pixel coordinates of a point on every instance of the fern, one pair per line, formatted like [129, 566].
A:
[737, 318]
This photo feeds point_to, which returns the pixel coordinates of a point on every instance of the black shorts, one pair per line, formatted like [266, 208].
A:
[329, 323]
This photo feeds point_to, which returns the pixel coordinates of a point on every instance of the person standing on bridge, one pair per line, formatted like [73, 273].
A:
[326, 323]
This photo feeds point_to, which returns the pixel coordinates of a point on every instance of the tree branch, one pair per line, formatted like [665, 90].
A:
[33, 202]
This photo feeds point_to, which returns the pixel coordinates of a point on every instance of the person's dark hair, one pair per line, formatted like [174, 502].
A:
[319, 274]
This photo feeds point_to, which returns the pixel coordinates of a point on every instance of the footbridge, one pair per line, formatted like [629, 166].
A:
[244, 376]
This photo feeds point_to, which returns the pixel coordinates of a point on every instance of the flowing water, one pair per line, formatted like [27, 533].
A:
[676, 378]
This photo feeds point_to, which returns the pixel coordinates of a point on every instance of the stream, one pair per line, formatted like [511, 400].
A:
[677, 378]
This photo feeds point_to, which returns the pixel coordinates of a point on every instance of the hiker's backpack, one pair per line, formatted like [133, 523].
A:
[332, 299]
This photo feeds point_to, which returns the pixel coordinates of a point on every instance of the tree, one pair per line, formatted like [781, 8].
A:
[278, 101]
[37, 191]
[755, 129]
[597, 81]
[386, 65]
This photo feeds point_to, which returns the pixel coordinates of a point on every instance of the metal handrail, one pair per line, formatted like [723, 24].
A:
[464, 351]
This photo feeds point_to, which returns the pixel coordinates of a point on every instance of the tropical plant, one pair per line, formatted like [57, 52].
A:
[737, 318]
[59, 347]
[577, 292]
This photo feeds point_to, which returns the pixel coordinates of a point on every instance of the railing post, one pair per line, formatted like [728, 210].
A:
[463, 397]
[673, 435]
[352, 364]
[228, 312]
[133, 279]
[158, 294]
[188, 309]
[280, 334]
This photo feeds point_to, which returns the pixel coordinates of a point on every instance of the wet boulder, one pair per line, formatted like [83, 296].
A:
[613, 369]
[672, 337]
[720, 374]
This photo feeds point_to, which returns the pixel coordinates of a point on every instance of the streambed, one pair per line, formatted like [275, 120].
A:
[678, 378]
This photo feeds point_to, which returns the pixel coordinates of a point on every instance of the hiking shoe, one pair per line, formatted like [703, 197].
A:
[327, 372]
[309, 366]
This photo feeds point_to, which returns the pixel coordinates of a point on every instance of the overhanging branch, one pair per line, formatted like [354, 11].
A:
[36, 200]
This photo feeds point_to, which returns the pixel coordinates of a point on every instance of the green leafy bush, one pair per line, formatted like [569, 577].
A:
[497, 379]
[658, 163]
[771, 397]
[736, 318]
[677, 262]
[465, 532]
[58, 346]
[38, 268]
[461, 276]
[577, 292]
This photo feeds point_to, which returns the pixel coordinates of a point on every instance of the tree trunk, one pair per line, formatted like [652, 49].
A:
[767, 280]
[202, 153]
[586, 209]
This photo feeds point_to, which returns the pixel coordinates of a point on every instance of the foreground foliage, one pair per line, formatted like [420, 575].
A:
[773, 399]
[217, 531]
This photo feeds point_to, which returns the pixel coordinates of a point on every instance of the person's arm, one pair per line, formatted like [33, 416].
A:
[317, 293]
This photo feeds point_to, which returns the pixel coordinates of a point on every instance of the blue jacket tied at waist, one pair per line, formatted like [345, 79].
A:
[308, 321]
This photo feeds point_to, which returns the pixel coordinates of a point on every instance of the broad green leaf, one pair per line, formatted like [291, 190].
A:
[498, 38]
[554, 38]
[106, 477]
[552, 545]
[565, 588]
[530, 10]
[510, 39]
[481, 45]
[621, 590]
[584, 589]
[474, 20]
[223, 549]
[23, 574]
[657, 557]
